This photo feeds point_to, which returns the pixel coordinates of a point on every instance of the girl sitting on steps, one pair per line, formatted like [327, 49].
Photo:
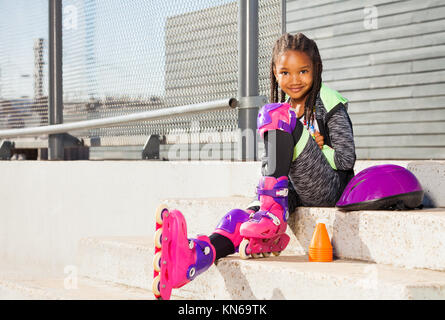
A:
[309, 159]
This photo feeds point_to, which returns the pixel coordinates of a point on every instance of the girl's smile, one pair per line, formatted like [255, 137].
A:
[294, 73]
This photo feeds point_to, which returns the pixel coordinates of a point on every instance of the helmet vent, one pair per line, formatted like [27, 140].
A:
[355, 185]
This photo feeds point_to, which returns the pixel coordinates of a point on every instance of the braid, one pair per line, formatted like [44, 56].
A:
[276, 96]
[298, 42]
[273, 86]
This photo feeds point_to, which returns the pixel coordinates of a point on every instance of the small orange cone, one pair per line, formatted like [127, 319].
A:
[320, 249]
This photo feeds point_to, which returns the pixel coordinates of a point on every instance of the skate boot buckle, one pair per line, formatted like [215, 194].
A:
[274, 218]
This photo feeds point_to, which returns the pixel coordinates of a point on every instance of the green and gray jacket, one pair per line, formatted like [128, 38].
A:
[339, 150]
[336, 128]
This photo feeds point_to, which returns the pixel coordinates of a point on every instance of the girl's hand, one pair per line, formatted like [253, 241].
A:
[319, 139]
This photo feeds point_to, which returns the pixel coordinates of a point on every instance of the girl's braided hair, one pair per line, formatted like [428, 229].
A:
[298, 42]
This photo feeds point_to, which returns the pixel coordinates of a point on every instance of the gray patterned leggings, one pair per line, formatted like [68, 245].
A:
[312, 181]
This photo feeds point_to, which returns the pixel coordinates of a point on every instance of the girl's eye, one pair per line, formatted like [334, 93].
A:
[303, 71]
[284, 73]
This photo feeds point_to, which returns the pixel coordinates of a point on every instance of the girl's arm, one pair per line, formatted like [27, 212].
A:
[342, 140]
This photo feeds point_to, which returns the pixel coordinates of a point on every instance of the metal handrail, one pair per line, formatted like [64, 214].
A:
[118, 120]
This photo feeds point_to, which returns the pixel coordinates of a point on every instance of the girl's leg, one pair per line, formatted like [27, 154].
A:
[279, 149]
[315, 181]
[223, 246]
[226, 237]
[276, 163]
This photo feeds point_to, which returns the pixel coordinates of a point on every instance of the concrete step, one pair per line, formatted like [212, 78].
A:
[410, 239]
[53, 289]
[125, 260]
[17, 283]
[129, 262]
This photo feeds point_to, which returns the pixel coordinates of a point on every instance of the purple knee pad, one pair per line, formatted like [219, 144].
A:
[276, 116]
[230, 224]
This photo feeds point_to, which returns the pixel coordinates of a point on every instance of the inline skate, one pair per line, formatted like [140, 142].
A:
[178, 259]
[264, 232]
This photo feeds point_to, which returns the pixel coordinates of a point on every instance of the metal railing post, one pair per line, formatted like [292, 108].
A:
[283, 16]
[249, 101]
[55, 101]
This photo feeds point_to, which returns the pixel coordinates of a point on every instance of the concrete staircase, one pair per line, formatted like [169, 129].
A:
[378, 255]
[54, 289]
[35, 283]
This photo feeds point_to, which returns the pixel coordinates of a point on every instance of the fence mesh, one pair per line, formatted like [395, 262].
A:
[23, 72]
[121, 57]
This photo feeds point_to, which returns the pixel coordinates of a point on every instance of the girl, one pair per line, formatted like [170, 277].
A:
[310, 155]
[318, 175]
[318, 168]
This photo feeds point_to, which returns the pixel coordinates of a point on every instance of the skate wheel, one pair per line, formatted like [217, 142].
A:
[158, 238]
[156, 285]
[242, 249]
[276, 253]
[266, 254]
[159, 212]
[157, 262]
[257, 255]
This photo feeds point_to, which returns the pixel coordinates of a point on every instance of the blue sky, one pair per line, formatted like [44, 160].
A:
[126, 49]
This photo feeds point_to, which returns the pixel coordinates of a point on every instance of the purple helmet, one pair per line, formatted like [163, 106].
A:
[382, 187]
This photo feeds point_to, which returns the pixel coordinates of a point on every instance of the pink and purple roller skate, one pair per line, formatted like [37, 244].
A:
[230, 225]
[264, 233]
[178, 260]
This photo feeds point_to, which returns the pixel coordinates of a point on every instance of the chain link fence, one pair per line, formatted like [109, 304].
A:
[122, 57]
[23, 67]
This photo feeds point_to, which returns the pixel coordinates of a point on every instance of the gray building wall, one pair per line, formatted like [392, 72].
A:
[388, 58]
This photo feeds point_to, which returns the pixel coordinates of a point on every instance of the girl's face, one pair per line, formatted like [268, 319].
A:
[294, 73]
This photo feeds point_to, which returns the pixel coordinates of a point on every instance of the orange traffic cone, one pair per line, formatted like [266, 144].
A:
[320, 249]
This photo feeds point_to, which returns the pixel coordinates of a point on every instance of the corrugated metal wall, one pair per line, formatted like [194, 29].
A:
[388, 58]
